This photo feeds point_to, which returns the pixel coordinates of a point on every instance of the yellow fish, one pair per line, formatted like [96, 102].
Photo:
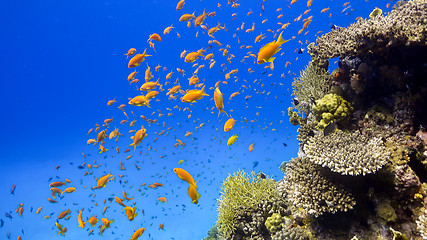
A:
[231, 140]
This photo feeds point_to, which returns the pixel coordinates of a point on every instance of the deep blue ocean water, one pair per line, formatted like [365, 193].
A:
[61, 61]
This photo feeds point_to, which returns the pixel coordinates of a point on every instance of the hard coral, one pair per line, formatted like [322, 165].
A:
[241, 195]
[314, 82]
[347, 153]
[405, 25]
[422, 225]
[310, 187]
[274, 223]
[331, 108]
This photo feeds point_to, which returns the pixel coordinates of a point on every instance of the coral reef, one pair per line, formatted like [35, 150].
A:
[246, 201]
[311, 188]
[361, 170]
[405, 25]
[347, 153]
[422, 224]
[331, 108]
[314, 82]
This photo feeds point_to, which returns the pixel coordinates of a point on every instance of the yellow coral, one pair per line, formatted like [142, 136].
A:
[331, 108]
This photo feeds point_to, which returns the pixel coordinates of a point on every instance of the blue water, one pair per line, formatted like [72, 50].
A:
[61, 61]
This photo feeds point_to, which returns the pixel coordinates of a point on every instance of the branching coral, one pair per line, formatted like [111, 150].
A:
[242, 192]
[331, 108]
[314, 82]
[405, 25]
[347, 153]
[310, 187]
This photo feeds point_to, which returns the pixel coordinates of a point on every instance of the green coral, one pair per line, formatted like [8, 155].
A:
[242, 192]
[314, 82]
[331, 108]
[274, 223]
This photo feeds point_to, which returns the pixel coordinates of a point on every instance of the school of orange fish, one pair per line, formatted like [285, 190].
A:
[196, 91]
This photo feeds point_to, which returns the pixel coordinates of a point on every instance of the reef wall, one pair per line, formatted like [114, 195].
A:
[361, 171]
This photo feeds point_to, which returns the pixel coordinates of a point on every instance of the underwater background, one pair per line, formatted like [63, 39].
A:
[62, 61]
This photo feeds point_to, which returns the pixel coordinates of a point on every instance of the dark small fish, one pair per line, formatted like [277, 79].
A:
[284, 144]
[334, 27]
[8, 215]
[50, 179]
[330, 128]
[296, 101]
[12, 189]
[8, 235]
[262, 175]
[301, 51]
[255, 164]
[1, 223]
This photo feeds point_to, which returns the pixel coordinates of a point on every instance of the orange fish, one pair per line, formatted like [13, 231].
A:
[137, 138]
[139, 101]
[162, 199]
[155, 37]
[219, 101]
[193, 194]
[185, 176]
[131, 52]
[192, 95]
[229, 124]
[193, 56]
[180, 5]
[251, 147]
[137, 59]
[130, 212]
[186, 17]
[137, 234]
[266, 53]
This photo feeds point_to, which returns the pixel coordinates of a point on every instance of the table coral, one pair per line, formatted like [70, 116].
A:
[347, 153]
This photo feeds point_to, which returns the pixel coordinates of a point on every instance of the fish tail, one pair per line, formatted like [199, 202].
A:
[134, 146]
[280, 39]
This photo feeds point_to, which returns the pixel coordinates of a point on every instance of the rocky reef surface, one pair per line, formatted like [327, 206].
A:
[361, 170]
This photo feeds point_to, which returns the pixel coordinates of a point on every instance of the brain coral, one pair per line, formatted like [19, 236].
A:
[310, 187]
[347, 153]
[405, 25]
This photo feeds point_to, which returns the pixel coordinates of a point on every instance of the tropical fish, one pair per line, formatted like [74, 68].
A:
[193, 194]
[185, 176]
[266, 53]
[231, 140]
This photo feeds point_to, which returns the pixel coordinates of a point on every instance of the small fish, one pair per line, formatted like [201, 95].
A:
[12, 189]
[231, 140]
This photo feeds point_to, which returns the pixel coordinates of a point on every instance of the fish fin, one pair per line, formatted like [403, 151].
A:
[271, 59]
